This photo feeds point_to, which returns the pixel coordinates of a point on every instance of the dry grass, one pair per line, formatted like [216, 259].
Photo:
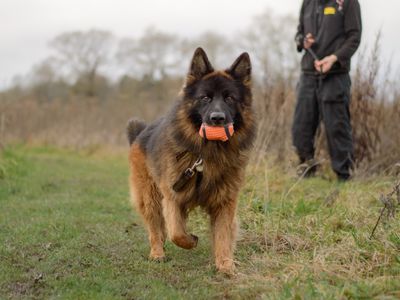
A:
[80, 122]
[301, 242]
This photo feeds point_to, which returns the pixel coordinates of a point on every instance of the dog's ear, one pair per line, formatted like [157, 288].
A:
[200, 65]
[241, 68]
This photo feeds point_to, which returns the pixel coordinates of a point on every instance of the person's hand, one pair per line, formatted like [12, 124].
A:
[325, 64]
[308, 41]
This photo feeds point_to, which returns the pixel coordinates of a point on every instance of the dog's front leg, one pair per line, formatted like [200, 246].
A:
[224, 227]
[175, 219]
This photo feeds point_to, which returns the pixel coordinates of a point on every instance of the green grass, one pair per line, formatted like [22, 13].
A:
[67, 231]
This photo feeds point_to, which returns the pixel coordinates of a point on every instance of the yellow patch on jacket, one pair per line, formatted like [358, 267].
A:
[329, 11]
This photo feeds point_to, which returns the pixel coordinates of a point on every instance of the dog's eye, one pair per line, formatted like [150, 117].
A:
[229, 99]
[205, 99]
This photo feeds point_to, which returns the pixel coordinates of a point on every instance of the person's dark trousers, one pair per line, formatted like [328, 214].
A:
[327, 100]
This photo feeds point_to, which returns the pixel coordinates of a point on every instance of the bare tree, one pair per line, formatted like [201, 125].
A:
[44, 81]
[153, 55]
[217, 46]
[83, 53]
[270, 41]
[44, 72]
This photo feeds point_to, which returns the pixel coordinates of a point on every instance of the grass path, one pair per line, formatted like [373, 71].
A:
[67, 231]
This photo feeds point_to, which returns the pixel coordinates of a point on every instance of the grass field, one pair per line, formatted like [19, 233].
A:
[67, 231]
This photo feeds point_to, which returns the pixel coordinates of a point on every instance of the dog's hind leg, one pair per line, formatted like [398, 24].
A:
[175, 218]
[147, 199]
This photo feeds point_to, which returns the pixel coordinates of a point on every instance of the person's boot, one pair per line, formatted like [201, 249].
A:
[307, 169]
[343, 177]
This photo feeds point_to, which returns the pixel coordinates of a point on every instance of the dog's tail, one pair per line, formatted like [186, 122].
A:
[134, 128]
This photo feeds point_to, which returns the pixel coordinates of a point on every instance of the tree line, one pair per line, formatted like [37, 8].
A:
[92, 60]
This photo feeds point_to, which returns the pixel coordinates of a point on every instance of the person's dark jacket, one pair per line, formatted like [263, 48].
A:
[336, 29]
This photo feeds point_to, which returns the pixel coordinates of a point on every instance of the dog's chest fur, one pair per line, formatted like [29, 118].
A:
[219, 181]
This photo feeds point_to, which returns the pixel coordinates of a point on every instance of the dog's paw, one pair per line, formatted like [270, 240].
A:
[157, 257]
[185, 241]
[226, 267]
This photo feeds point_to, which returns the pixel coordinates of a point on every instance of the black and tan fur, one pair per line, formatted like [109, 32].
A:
[161, 151]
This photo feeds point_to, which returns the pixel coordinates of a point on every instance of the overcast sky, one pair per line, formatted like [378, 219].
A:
[28, 25]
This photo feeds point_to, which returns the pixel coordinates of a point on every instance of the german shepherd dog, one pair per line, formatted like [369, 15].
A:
[176, 164]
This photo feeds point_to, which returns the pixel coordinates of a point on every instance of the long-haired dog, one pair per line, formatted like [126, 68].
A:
[195, 156]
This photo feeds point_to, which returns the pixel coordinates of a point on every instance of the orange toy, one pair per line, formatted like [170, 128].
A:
[216, 133]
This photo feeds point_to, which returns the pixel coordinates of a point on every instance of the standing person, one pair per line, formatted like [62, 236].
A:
[330, 32]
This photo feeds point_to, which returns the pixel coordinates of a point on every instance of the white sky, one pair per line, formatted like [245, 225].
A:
[27, 25]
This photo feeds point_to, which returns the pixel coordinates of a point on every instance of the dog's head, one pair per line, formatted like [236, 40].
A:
[217, 98]
[217, 102]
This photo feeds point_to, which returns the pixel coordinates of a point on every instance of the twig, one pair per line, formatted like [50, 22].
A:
[377, 222]
[389, 205]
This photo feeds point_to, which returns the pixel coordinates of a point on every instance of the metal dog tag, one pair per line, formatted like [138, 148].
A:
[199, 168]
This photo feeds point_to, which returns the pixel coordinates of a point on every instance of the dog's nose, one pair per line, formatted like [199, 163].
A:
[217, 117]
